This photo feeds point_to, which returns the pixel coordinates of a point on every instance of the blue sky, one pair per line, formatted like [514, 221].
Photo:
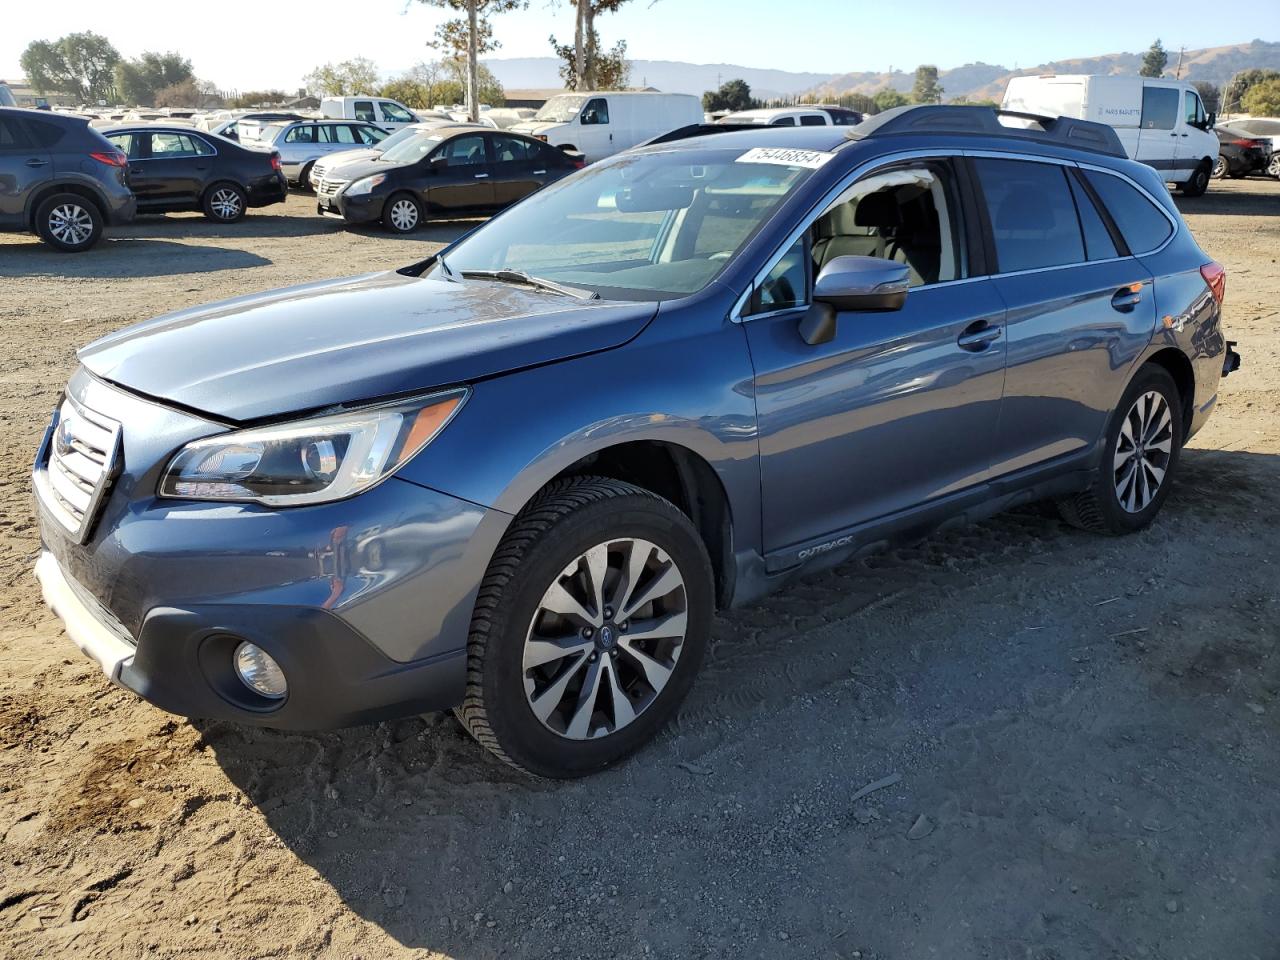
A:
[826, 36]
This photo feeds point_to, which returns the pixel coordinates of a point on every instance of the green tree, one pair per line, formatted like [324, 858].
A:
[138, 80]
[1233, 95]
[468, 36]
[609, 69]
[1210, 95]
[258, 98]
[966, 102]
[888, 98]
[927, 89]
[79, 64]
[345, 79]
[1263, 99]
[1154, 61]
[733, 95]
[188, 93]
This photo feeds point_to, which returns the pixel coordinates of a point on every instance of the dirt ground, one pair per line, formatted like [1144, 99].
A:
[1075, 738]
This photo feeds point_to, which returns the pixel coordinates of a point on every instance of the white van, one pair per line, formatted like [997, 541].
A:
[1162, 123]
[604, 122]
[387, 114]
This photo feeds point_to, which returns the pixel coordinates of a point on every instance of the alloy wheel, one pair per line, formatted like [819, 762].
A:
[1273, 167]
[604, 639]
[1143, 451]
[1220, 166]
[71, 224]
[404, 215]
[225, 204]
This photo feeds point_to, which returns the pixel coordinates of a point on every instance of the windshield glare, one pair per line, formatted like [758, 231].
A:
[639, 227]
[560, 109]
[410, 149]
[399, 137]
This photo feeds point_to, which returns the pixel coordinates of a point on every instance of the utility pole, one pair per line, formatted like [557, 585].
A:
[1177, 75]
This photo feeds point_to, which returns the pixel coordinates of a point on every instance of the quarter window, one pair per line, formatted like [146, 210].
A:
[1033, 217]
[1143, 226]
[1159, 108]
[787, 284]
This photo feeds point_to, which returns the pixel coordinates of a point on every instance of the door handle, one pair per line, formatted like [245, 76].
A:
[481, 176]
[538, 173]
[1126, 298]
[37, 162]
[978, 336]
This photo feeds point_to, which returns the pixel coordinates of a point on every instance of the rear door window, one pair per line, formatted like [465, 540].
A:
[1159, 108]
[1033, 216]
[1143, 225]
[301, 135]
[1098, 244]
[12, 136]
[508, 149]
[170, 145]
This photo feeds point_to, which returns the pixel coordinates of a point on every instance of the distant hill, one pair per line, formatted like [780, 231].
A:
[984, 81]
[671, 76]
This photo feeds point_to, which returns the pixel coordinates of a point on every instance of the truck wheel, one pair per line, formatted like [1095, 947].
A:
[402, 214]
[589, 628]
[1220, 167]
[68, 222]
[1144, 441]
[1198, 182]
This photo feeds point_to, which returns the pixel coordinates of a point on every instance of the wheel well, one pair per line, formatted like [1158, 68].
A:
[1179, 367]
[85, 193]
[682, 477]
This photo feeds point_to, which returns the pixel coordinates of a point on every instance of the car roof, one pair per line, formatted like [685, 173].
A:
[804, 138]
[153, 128]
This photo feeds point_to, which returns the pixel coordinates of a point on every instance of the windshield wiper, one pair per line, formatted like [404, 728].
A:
[446, 271]
[519, 276]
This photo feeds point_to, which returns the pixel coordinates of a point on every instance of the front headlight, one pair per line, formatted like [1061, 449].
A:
[364, 185]
[310, 461]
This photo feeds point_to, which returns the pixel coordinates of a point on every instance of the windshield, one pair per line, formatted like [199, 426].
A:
[560, 109]
[411, 149]
[399, 137]
[641, 226]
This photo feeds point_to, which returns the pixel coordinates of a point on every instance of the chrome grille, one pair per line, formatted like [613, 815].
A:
[79, 463]
[329, 188]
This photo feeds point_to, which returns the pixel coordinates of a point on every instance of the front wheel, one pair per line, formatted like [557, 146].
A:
[1220, 167]
[1273, 166]
[1198, 182]
[225, 203]
[402, 214]
[69, 223]
[589, 628]
[1144, 440]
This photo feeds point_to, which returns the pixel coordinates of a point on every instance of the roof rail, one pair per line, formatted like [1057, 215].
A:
[986, 122]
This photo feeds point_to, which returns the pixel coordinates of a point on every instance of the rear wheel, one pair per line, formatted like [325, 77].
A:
[224, 203]
[68, 222]
[1198, 182]
[589, 628]
[402, 214]
[1144, 441]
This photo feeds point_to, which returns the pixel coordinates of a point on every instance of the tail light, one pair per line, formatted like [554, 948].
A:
[275, 162]
[112, 158]
[540, 136]
[578, 162]
[1215, 275]
[1246, 144]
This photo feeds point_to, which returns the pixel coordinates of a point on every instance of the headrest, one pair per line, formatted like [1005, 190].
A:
[878, 210]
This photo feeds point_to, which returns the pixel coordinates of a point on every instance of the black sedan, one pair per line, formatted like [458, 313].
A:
[179, 168]
[446, 173]
[1239, 155]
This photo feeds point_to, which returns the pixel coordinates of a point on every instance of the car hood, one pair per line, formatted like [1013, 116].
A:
[359, 169]
[354, 339]
[334, 161]
[534, 127]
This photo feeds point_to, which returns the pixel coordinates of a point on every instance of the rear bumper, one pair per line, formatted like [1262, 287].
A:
[268, 190]
[123, 211]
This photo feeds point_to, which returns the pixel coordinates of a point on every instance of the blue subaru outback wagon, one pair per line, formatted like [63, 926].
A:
[516, 479]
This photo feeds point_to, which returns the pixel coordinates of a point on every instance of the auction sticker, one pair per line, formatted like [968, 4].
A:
[785, 156]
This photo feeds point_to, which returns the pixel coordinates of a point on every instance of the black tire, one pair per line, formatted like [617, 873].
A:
[1221, 168]
[402, 213]
[304, 178]
[224, 202]
[1198, 182]
[68, 222]
[1099, 509]
[1273, 166]
[569, 518]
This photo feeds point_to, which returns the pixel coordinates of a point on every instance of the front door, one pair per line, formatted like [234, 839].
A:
[1079, 311]
[597, 130]
[1158, 138]
[23, 166]
[901, 407]
[462, 184]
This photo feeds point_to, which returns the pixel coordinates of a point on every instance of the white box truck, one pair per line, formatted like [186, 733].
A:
[387, 114]
[1161, 123]
[604, 122]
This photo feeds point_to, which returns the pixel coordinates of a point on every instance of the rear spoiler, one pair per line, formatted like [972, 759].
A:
[698, 130]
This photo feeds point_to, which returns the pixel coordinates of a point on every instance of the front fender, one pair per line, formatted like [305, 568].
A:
[670, 384]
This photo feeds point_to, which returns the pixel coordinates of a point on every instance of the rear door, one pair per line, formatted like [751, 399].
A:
[463, 185]
[1158, 138]
[171, 169]
[23, 167]
[1080, 310]
[513, 168]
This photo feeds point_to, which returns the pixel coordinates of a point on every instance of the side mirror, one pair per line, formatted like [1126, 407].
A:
[852, 283]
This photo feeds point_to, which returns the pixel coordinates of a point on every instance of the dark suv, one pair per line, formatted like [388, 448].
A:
[518, 478]
[60, 178]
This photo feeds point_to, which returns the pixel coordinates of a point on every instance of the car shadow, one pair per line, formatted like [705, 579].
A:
[259, 223]
[144, 258]
[1251, 197]
[744, 807]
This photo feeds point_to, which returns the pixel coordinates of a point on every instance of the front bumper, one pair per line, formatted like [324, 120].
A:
[364, 208]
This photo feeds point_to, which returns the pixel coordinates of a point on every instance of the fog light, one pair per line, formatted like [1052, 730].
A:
[259, 672]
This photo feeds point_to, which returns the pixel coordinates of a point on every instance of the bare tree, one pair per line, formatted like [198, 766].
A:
[470, 35]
